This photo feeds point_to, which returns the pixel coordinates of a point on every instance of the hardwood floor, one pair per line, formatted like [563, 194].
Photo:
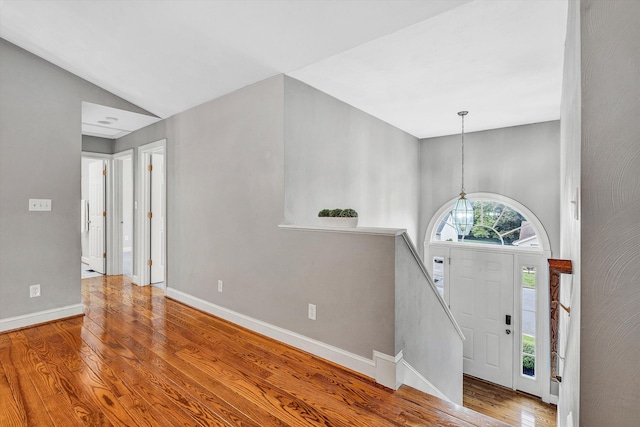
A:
[512, 407]
[139, 359]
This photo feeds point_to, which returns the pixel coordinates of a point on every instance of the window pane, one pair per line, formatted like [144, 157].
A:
[446, 232]
[438, 273]
[487, 213]
[529, 277]
[528, 324]
[494, 224]
[511, 238]
[528, 237]
[480, 234]
[509, 220]
[529, 365]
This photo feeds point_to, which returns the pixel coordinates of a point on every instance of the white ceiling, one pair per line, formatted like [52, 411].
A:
[500, 60]
[412, 63]
[107, 122]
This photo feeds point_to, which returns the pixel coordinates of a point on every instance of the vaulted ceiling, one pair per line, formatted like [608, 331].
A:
[411, 63]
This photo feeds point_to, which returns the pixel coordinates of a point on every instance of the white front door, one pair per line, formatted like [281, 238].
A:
[481, 298]
[96, 215]
[157, 218]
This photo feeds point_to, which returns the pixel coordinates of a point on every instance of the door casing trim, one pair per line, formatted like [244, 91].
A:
[143, 232]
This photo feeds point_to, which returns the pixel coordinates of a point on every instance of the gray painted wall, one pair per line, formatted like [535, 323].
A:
[225, 178]
[146, 135]
[519, 162]
[569, 346]
[424, 333]
[94, 144]
[610, 175]
[337, 156]
[40, 148]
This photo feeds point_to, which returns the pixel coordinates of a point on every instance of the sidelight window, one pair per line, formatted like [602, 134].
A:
[438, 274]
[528, 344]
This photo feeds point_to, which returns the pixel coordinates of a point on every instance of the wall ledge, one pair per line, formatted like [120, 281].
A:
[356, 230]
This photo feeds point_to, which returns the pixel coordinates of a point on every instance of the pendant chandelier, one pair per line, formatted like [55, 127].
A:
[462, 211]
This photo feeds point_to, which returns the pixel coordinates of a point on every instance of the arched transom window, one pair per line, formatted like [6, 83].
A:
[495, 223]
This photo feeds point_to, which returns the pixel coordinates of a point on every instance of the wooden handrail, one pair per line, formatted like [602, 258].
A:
[556, 267]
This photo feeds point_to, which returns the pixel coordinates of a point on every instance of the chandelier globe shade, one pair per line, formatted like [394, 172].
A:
[462, 215]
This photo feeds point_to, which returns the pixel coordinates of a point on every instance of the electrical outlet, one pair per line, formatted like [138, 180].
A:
[312, 311]
[34, 291]
[219, 285]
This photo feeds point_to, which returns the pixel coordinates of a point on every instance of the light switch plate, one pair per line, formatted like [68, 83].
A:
[40, 205]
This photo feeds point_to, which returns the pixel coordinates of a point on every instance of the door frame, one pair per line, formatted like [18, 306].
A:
[108, 202]
[143, 230]
[114, 255]
[522, 257]
[113, 202]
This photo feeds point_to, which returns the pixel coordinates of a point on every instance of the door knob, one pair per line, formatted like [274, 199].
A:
[508, 331]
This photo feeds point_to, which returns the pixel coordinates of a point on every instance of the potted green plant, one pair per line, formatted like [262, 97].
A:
[338, 217]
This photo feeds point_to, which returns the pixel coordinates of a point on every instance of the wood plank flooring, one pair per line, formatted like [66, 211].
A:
[139, 359]
[512, 407]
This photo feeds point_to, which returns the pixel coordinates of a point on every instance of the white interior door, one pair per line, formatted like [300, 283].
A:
[96, 216]
[126, 195]
[157, 218]
[481, 296]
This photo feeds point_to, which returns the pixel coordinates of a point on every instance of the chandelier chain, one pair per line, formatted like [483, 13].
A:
[462, 114]
[463, 153]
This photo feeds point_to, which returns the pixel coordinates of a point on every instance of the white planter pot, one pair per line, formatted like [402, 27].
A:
[338, 222]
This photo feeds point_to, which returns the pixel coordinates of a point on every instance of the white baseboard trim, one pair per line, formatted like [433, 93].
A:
[553, 399]
[388, 369]
[414, 379]
[84, 260]
[135, 280]
[32, 319]
[382, 367]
